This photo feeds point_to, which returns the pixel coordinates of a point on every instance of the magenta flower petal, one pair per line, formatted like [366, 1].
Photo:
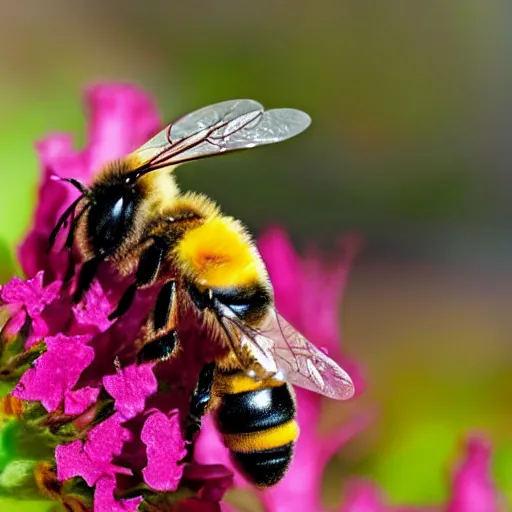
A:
[15, 323]
[363, 496]
[165, 448]
[122, 118]
[473, 489]
[31, 294]
[214, 480]
[56, 372]
[92, 314]
[76, 402]
[104, 500]
[29, 297]
[57, 157]
[106, 439]
[93, 459]
[210, 450]
[285, 269]
[130, 387]
[72, 460]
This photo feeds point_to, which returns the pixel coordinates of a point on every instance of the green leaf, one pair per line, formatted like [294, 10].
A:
[17, 480]
[24, 441]
[13, 505]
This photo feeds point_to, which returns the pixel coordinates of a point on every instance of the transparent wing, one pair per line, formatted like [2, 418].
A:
[223, 127]
[278, 347]
[253, 351]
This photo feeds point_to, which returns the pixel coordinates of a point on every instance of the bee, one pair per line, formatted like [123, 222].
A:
[134, 216]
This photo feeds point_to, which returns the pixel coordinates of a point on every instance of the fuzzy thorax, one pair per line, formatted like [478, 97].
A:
[219, 253]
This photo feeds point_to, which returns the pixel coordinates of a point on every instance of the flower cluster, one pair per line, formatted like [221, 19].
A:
[111, 428]
[83, 424]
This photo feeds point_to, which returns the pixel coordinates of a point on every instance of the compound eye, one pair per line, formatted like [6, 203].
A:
[110, 220]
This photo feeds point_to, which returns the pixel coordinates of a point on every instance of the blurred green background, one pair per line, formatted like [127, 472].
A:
[410, 146]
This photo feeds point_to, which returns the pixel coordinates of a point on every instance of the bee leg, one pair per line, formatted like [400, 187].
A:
[164, 317]
[158, 350]
[68, 245]
[147, 272]
[199, 402]
[86, 276]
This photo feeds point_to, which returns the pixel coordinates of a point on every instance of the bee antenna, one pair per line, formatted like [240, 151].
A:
[79, 186]
[53, 235]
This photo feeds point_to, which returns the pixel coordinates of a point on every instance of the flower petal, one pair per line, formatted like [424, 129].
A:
[91, 315]
[165, 448]
[122, 117]
[29, 297]
[106, 439]
[104, 498]
[76, 402]
[473, 489]
[57, 157]
[56, 372]
[73, 461]
[213, 480]
[130, 387]
[363, 496]
[93, 459]
[284, 267]
[31, 294]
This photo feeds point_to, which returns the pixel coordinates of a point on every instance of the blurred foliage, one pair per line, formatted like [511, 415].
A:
[409, 145]
[8, 505]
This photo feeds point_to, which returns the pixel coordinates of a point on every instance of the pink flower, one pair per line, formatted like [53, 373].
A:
[165, 448]
[93, 459]
[130, 387]
[119, 429]
[104, 498]
[91, 315]
[29, 299]
[473, 489]
[55, 374]
[362, 496]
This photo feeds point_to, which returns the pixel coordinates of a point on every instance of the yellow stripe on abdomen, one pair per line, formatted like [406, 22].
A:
[264, 439]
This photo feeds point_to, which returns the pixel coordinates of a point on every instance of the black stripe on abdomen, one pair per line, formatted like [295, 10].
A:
[266, 467]
[253, 411]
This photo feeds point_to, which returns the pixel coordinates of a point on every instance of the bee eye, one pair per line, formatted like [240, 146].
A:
[110, 218]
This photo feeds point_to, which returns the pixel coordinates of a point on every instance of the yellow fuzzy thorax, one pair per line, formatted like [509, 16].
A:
[160, 190]
[219, 253]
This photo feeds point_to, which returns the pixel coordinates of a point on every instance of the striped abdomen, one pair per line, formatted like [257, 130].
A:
[257, 421]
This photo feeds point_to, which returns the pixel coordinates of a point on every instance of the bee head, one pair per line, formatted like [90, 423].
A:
[111, 207]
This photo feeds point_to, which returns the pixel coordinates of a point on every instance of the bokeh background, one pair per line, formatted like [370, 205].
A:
[410, 147]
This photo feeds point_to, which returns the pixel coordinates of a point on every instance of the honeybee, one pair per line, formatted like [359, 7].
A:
[134, 216]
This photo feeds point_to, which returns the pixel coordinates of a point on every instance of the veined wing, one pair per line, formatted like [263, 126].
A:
[279, 348]
[219, 128]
